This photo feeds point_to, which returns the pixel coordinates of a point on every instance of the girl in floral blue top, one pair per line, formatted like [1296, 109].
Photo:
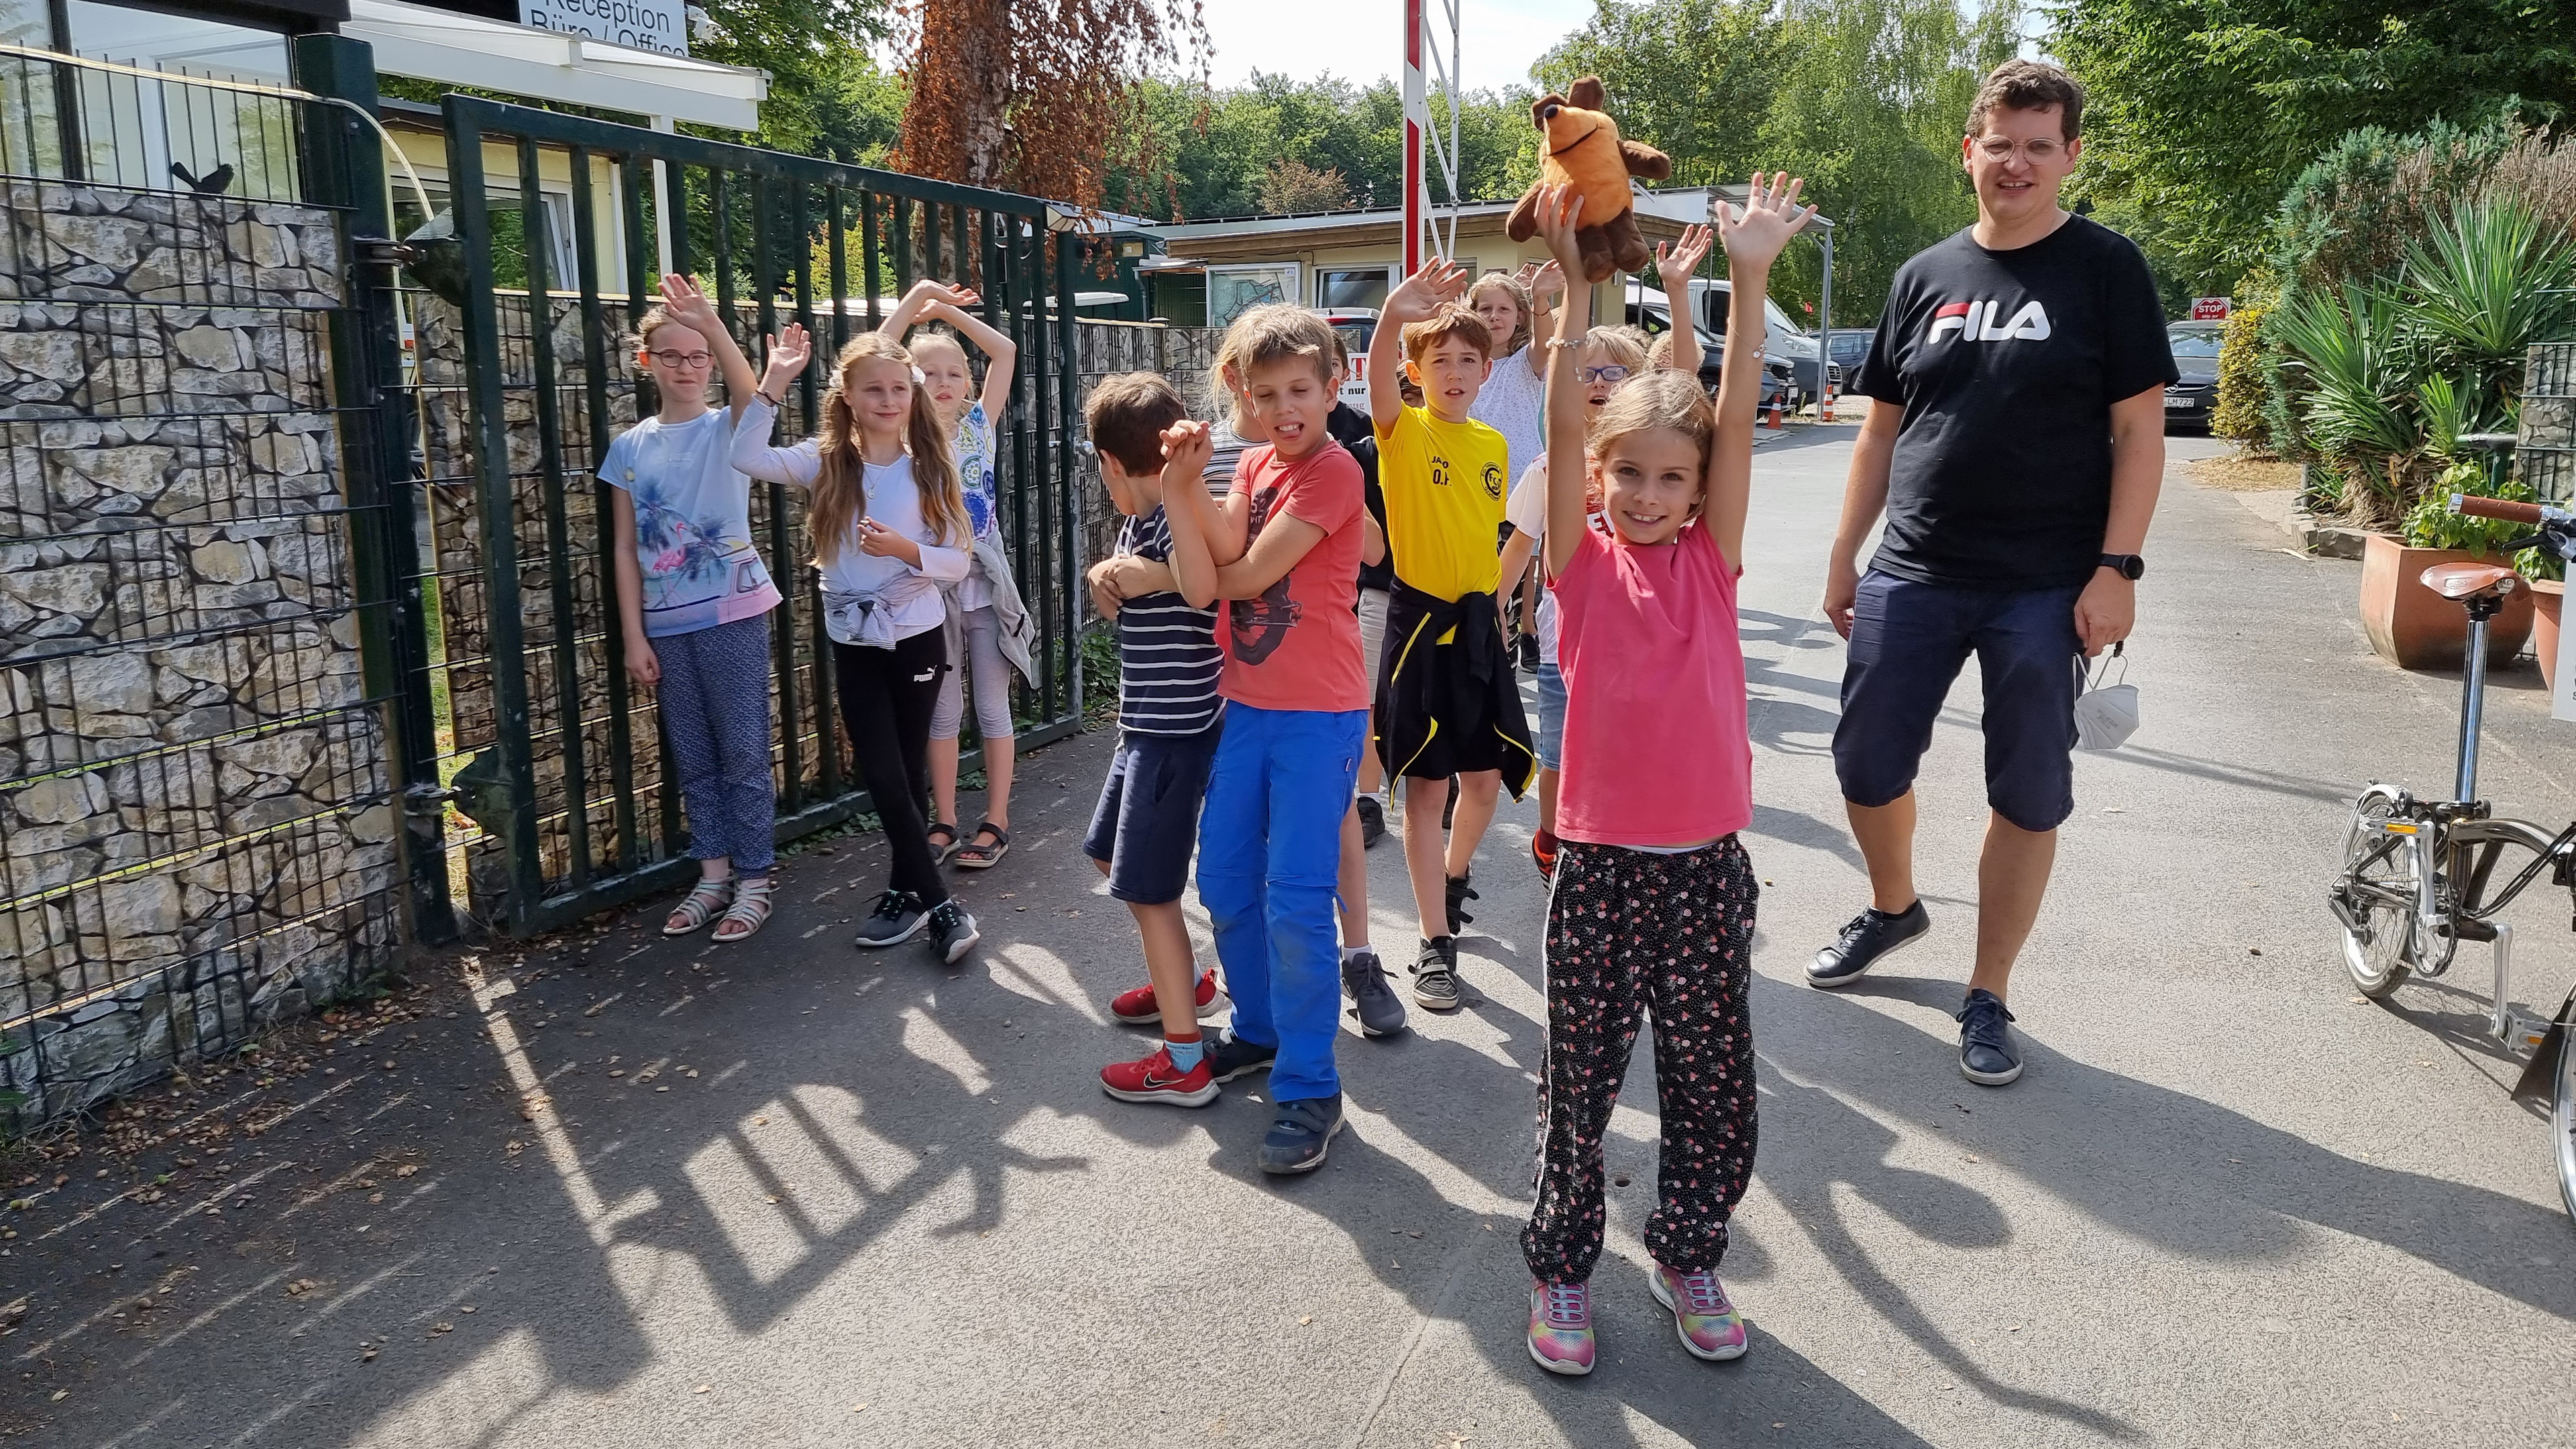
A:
[694, 599]
[977, 625]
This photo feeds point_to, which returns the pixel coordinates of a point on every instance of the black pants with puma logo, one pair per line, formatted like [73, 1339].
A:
[887, 696]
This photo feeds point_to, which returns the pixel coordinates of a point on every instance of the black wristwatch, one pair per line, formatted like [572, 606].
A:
[2127, 565]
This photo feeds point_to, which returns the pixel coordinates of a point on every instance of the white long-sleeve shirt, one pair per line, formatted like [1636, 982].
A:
[893, 500]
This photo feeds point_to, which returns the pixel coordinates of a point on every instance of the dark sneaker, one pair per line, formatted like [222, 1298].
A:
[1529, 654]
[897, 919]
[1871, 936]
[1301, 1132]
[1364, 982]
[1435, 974]
[1986, 1055]
[1230, 1056]
[952, 931]
[1372, 821]
[1459, 894]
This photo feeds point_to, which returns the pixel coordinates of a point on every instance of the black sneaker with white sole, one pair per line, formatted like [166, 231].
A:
[1871, 936]
[952, 931]
[1364, 982]
[1372, 821]
[1435, 974]
[898, 918]
[1986, 1054]
[1230, 1056]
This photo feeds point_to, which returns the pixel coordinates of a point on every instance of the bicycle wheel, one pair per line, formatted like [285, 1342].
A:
[2562, 1118]
[2379, 887]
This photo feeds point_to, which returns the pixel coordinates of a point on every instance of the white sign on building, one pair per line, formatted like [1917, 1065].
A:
[645, 24]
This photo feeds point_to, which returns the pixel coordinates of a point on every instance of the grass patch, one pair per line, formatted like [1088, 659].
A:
[2237, 473]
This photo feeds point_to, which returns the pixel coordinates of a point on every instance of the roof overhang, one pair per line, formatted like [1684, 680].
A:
[467, 50]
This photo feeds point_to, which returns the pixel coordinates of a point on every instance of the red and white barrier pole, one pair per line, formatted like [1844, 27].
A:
[1417, 114]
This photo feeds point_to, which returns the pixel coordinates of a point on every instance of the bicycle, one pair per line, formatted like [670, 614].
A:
[2418, 874]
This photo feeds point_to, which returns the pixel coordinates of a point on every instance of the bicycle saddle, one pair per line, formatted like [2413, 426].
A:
[2467, 580]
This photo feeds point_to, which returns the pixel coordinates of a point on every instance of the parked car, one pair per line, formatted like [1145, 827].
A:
[2195, 353]
[1787, 341]
[1850, 346]
[1647, 310]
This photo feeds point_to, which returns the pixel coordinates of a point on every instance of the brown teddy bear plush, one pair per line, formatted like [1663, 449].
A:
[1582, 149]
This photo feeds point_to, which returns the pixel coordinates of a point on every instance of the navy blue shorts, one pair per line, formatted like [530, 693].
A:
[1147, 821]
[1908, 642]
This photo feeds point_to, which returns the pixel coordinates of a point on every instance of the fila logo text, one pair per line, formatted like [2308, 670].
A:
[1975, 322]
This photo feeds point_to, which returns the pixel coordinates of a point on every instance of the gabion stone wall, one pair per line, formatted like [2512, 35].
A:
[1182, 355]
[195, 829]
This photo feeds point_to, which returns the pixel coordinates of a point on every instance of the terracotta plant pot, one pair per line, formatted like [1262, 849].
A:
[2413, 627]
[2546, 596]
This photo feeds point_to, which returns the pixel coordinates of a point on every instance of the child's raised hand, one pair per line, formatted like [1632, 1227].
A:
[789, 351]
[1545, 281]
[1560, 215]
[688, 305]
[1440, 280]
[1675, 261]
[1771, 215]
[1186, 448]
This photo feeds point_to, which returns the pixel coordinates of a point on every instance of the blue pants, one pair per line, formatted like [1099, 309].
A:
[1270, 855]
[715, 713]
[1909, 641]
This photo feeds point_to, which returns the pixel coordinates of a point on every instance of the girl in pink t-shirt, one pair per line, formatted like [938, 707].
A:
[1652, 906]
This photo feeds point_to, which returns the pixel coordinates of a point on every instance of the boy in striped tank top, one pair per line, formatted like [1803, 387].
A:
[1169, 715]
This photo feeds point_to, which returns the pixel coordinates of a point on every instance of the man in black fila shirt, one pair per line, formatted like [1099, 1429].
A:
[2015, 445]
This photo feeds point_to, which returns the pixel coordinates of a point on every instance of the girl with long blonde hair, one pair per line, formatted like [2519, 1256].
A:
[890, 530]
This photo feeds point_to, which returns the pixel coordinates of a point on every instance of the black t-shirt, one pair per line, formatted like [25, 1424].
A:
[1351, 428]
[2006, 364]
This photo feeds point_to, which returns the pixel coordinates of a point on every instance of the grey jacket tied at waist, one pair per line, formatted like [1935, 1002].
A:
[868, 619]
[1019, 631]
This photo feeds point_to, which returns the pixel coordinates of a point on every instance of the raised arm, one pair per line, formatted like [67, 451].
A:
[1675, 262]
[1004, 354]
[1754, 237]
[1560, 211]
[688, 306]
[1188, 509]
[752, 454]
[1420, 295]
[1545, 283]
[917, 300]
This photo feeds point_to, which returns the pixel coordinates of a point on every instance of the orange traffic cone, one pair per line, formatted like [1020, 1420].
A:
[1826, 408]
[1775, 424]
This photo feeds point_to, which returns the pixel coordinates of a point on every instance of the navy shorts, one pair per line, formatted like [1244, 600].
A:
[1147, 821]
[1908, 642]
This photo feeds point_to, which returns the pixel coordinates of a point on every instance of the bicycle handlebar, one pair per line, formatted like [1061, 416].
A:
[2500, 509]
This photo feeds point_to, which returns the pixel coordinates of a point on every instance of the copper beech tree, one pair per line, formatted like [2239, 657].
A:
[1033, 95]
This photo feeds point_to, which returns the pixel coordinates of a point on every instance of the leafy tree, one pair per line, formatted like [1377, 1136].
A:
[1694, 78]
[2201, 112]
[1292, 186]
[825, 97]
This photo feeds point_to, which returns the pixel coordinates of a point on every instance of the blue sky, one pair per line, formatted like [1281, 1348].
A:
[1362, 40]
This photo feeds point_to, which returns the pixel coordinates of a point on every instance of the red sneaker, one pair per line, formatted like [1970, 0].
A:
[1154, 1079]
[1139, 1008]
[1543, 851]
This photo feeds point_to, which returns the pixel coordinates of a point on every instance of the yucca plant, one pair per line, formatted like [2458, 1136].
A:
[2352, 348]
[2486, 282]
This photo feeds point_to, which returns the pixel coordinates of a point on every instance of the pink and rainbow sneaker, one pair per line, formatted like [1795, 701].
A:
[1560, 1331]
[1708, 1323]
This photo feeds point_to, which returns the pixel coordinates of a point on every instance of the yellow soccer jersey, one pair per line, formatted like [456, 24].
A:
[1444, 503]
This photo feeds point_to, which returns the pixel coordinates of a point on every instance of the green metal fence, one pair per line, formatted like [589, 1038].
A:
[523, 371]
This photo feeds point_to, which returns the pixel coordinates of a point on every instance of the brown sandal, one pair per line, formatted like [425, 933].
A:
[705, 901]
[979, 856]
[750, 911]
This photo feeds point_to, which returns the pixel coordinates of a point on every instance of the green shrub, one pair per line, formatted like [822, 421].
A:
[2432, 524]
[2238, 413]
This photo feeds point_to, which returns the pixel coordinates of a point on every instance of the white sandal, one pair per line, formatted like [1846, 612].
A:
[704, 902]
[750, 910]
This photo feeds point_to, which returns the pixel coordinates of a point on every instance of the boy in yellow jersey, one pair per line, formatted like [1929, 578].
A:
[1446, 704]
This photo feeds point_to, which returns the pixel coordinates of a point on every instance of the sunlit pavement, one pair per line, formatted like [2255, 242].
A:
[644, 1193]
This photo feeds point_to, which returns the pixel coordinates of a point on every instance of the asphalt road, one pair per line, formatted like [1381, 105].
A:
[790, 1195]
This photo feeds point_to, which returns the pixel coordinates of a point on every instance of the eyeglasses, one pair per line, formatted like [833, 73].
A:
[1613, 373]
[2040, 152]
[682, 359]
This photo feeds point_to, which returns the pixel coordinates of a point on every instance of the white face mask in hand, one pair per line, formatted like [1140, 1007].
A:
[2105, 714]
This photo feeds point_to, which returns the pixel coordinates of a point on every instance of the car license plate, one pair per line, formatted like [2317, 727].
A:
[2180, 404]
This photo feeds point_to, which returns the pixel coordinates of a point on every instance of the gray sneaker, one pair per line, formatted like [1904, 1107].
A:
[1364, 982]
[952, 931]
[897, 919]
[1435, 974]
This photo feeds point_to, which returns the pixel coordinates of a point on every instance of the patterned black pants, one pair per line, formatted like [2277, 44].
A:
[1630, 932]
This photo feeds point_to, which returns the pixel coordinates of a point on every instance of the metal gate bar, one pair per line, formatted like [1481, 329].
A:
[554, 727]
